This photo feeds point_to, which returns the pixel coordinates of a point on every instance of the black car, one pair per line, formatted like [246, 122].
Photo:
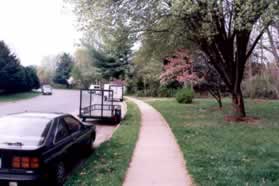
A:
[34, 147]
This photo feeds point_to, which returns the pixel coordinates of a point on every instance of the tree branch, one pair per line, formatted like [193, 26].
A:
[256, 41]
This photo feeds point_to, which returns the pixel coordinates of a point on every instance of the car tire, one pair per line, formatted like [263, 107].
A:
[59, 174]
[90, 145]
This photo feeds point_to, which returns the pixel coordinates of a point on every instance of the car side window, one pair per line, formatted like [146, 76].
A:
[73, 124]
[62, 131]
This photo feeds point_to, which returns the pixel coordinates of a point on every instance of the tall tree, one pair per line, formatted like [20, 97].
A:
[32, 80]
[84, 72]
[222, 29]
[113, 56]
[13, 76]
[46, 69]
[9, 66]
[63, 70]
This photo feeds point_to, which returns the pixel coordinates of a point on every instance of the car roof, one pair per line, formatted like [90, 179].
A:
[45, 115]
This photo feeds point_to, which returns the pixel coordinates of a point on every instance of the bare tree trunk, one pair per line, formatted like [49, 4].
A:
[273, 46]
[144, 87]
[216, 94]
[220, 103]
[238, 104]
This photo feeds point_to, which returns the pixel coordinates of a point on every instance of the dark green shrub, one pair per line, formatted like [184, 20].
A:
[185, 96]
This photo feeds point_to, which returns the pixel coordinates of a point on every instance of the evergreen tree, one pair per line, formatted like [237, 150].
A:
[114, 56]
[32, 80]
[63, 70]
[12, 76]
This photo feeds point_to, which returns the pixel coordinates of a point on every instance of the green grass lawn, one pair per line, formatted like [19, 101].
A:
[223, 153]
[108, 165]
[17, 96]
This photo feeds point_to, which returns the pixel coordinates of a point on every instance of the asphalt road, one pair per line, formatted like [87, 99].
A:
[66, 101]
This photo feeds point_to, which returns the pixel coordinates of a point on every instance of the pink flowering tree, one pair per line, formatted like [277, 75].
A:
[200, 75]
[178, 68]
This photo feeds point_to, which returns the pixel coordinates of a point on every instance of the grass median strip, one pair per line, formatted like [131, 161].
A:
[226, 153]
[108, 165]
[17, 96]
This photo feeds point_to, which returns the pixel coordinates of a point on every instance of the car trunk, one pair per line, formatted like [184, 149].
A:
[7, 155]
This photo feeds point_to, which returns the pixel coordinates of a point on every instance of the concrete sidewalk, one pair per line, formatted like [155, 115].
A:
[157, 159]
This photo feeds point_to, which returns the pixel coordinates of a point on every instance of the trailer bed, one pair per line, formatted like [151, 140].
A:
[94, 105]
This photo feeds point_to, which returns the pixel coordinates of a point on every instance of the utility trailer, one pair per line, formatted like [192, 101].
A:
[94, 106]
[118, 92]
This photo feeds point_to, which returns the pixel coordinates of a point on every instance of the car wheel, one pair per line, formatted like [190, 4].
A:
[90, 146]
[59, 174]
[92, 140]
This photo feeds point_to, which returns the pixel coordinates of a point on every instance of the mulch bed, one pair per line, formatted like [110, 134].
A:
[247, 119]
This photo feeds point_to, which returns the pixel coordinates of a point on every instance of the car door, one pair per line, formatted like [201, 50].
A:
[62, 141]
[76, 130]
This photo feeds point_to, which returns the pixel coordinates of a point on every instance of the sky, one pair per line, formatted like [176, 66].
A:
[34, 29]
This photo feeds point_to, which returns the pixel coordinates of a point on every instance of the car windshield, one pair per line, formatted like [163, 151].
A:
[46, 87]
[29, 131]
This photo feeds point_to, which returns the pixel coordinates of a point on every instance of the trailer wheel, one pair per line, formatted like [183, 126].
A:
[118, 119]
[117, 116]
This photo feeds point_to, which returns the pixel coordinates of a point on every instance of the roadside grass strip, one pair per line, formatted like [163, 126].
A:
[108, 165]
[226, 153]
[17, 96]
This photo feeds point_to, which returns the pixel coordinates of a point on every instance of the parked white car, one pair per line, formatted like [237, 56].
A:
[46, 90]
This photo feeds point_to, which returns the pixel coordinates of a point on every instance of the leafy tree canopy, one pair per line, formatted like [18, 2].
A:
[84, 72]
[227, 31]
[113, 56]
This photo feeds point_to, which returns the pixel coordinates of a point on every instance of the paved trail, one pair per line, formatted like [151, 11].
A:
[157, 159]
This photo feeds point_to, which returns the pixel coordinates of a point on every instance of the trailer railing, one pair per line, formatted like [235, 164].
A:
[94, 105]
